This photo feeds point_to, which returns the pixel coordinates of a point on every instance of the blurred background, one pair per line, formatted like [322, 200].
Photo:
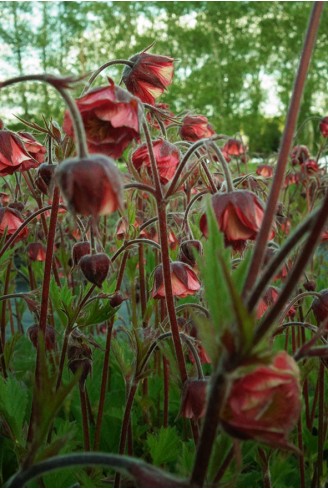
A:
[236, 60]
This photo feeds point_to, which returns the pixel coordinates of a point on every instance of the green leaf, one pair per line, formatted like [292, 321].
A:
[164, 447]
[13, 404]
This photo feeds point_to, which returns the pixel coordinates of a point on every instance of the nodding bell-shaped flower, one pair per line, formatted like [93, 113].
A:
[79, 356]
[10, 221]
[324, 127]
[149, 76]
[183, 279]
[111, 118]
[167, 158]
[189, 250]
[268, 299]
[300, 154]
[91, 186]
[49, 337]
[239, 215]
[13, 154]
[36, 252]
[193, 404]
[45, 178]
[265, 171]
[195, 128]
[263, 402]
[234, 147]
[95, 267]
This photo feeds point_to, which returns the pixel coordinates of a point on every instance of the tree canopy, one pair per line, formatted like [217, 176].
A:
[236, 61]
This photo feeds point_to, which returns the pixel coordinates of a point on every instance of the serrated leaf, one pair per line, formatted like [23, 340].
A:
[165, 446]
[13, 404]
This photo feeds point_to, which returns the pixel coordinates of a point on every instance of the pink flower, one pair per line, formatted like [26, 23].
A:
[264, 402]
[150, 75]
[10, 221]
[195, 128]
[265, 171]
[13, 154]
[234, 147]
[183, 278]
[111, 117]
[193, 404]
[36, 252]
[167, 157]
[34, 148]
[239, 215]
[268, 299]
[91, 186]
[300, 154]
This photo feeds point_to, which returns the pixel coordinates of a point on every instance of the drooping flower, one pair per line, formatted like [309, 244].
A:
[183, 279]
[45, 178]
[10, 221]
[189, 250]
[167, 157]
[13, 154]
[265, 171]
[310, 167]
[149, 76]
[34, 148]
[324, 127]
[79, 250]
[264, 403]
[239, 215]
[95, 267]
[49, 337]
[234, 147]
[193, 404]
[91, 186]
[111, 117]
[268, 299]
[300, 154]
[195, 128]
[36, 252]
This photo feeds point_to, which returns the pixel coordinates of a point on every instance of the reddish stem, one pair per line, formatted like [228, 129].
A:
[85, 422]
[263, 236]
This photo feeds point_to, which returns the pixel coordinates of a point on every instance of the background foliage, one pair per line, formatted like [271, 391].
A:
[236, 60]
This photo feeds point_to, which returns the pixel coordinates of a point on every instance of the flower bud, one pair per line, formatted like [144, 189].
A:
[95, 267]
[324, 127]
[49, 339]
[45, 178]
[189, 250]
[320, 306]
[79, 356]
[91, 186]
[117, 299]
[309, 285]
[79, 250]
[193, 404]
[263, 402]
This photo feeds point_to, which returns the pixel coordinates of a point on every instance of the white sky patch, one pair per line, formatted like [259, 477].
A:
[188, 20]
[271, 106]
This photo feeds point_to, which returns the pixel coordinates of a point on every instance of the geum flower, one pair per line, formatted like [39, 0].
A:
[167, 158]
[324, 127]
[268, 299]
[149, 76]
[234, 148]
[264, 402]
[33, 147]
[111, 117]
[10, 221]
[195, 128]
[239, 215]
[183, 279]
[13, 154]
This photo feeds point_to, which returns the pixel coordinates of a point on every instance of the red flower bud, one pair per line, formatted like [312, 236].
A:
[309, 285]
[149, 76]
[167, 158]
[49, 339]
[111, 119]
[193, 404]
[90, 185]
[184, 281]
[264, 402]
[324, 127]
[79, 250]
[239, 215]
[10, 221]
[117, 299]
[195, 128]
[95, 267]
[189, 250]
[36, 252]
[309, 167]
[79, 356]
[45, 178]
[320, 307]
[13, 154]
